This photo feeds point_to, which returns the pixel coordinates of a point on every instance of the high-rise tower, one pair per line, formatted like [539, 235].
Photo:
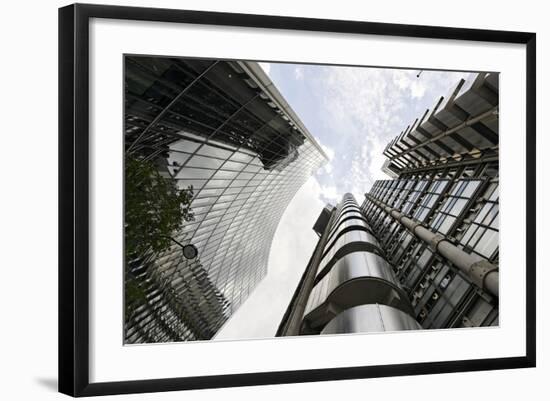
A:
[222, 127]
[428, 237]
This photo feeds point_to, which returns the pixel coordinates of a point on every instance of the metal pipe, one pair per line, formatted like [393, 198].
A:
[482, 272]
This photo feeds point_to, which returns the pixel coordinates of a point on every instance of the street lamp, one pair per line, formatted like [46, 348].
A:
[190, 251]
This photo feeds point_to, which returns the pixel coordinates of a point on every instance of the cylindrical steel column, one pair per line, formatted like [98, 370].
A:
[353, 272]
[371, 318]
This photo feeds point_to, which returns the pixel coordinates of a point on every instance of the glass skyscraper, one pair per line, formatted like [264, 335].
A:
[223, 128]
[422, 249]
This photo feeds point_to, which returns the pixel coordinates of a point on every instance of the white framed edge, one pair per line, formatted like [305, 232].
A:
[109, 360]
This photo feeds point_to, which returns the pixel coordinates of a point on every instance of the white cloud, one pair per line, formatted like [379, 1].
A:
[298, 73]
[364, 109]
[408, 80]
[328, 167]
[266, 67]
[328, 150]
[292, 246]
[330, 194]
[417, 89]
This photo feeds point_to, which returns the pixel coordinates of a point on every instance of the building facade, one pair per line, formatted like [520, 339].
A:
[223, 128]
[422, 249]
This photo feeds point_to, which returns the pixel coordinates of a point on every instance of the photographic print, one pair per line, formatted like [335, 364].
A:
[256, 204]
[268, 199]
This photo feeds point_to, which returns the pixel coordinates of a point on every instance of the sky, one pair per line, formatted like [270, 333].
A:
[352, 112]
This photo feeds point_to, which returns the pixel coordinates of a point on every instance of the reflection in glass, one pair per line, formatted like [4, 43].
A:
[210, 124]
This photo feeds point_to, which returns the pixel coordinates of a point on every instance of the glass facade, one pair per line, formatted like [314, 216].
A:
[452, 191]
[467, 216]
[224, 129]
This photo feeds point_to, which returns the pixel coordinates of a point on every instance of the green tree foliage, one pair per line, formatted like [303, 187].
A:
[154, 208]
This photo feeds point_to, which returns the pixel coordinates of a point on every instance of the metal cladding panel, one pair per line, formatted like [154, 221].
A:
[472, 136]
[347, 239]
[471, 80]
[338, 286]
[370, 318]
[447, 112]
[428, 123]
[345, 213]
[354, 221]
[472, 98]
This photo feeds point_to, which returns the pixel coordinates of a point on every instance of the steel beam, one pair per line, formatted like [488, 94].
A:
[449, 132]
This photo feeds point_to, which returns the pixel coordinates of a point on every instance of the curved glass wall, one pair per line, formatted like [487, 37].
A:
[220, 127]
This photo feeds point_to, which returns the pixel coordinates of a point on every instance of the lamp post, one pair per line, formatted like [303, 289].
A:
[190, 251]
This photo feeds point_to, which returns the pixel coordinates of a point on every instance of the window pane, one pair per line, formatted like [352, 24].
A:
[204, 162]
[208, 150]
[184, 146]
[194, 173]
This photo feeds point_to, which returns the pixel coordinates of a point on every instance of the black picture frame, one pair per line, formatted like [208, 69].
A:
[74, 198]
